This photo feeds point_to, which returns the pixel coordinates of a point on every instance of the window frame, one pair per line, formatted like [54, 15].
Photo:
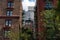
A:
[9, 13]
[8, 23]
[10, 4]
[48, 5]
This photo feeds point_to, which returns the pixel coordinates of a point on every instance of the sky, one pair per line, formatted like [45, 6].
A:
[27, 3]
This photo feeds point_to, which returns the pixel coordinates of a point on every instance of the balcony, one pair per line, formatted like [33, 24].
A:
[9, 17]
[9, 8]
[6, 28]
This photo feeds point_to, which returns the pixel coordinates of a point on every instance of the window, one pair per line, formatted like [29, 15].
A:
[28, 23]
[9, 13]
[6, 34]
[8, 22]
[10, 4]
[48, 5]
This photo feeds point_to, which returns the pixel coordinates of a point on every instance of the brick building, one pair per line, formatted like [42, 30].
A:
[10, 19]
[41, 6]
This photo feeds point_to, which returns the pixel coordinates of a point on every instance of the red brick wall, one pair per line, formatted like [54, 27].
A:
[40, 8]
[17, 10]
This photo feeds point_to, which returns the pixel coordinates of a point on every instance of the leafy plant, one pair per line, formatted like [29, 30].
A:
[25, 34]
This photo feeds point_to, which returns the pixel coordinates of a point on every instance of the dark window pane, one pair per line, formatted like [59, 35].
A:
[8, 22]
[10, 4]
[48, 5]
[9, 13]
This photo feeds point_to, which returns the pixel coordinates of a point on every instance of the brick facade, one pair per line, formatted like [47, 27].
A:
[16, 19]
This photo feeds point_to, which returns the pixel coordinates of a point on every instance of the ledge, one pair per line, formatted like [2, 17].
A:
[9, 17]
